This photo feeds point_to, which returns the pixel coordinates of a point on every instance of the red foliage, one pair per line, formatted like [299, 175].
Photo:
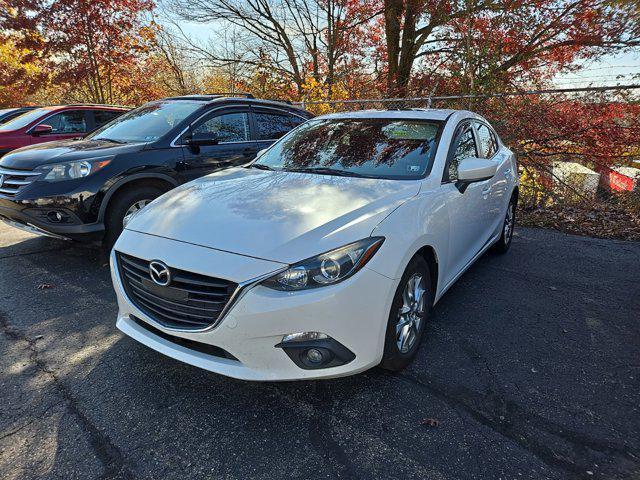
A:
[85, 44]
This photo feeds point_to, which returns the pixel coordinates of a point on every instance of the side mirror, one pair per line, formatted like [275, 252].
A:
[476, 170]
[41, 129]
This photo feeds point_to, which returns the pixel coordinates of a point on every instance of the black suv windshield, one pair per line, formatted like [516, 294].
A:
[372, 147]
[147, 123]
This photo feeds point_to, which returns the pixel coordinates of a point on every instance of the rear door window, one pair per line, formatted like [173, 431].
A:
[295, 120]
[271, 126]
[102, 117]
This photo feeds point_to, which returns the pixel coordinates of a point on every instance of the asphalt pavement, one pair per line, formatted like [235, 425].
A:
[529, 370]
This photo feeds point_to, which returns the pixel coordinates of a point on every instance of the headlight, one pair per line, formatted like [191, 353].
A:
[326, 269]
[70, 170]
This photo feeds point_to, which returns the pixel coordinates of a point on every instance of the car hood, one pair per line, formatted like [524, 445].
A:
[63, 151]
[279, 216]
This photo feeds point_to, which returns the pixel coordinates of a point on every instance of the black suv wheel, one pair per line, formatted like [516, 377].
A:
[124, 207]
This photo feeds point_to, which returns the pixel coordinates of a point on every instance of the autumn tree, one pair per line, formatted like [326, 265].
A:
[89, 46]
[494, 41]
[20, 74]
[293, 39]
[175, 70]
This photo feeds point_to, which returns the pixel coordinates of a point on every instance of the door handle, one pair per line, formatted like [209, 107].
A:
[507, 172]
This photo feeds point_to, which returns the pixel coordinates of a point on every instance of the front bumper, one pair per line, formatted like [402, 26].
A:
[34, 219]
[353, 312]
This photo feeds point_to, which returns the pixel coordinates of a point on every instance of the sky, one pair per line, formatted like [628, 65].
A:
[610, 70]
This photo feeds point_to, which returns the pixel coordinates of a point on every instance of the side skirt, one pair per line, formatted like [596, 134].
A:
[486, 247]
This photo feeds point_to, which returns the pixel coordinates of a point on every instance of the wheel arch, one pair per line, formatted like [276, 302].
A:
[163, 181]
[516, 193]
[429, 254]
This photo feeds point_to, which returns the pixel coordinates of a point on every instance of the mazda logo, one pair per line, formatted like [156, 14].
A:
[159, 273]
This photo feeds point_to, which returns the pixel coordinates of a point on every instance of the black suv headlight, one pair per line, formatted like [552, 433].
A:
[327, 268]
[58, 172]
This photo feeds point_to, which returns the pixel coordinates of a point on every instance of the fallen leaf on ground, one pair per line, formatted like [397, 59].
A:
[431, 422]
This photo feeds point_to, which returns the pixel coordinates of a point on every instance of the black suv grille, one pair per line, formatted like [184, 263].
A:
[11, 180]
[191, 301]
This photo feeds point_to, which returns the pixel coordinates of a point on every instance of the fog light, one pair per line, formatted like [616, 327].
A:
[314, 350]
[55, 217]
[314, 355]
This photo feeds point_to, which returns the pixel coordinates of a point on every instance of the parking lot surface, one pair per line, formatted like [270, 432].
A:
[529, 369]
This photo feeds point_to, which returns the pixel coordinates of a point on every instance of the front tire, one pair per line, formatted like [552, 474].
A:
[126, 203]
[408, 316]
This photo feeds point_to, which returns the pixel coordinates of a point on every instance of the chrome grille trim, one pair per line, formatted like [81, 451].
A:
[23, 173]
[16, 182]
[17, 179]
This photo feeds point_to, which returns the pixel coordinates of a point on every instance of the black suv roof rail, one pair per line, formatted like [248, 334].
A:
[288, 102]
[211, 96]
[232, 94]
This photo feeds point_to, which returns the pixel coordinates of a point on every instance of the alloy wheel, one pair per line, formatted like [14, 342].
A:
[411, 313]
[133, 210]
[508, 223]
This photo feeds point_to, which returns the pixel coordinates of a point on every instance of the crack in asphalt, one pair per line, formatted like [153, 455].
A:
[109, 454]
[319, 430]
[321, 434]
[518, 423]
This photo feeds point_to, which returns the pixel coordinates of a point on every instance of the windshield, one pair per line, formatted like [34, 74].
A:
[378, 148]
[24, 119]
[146, 123]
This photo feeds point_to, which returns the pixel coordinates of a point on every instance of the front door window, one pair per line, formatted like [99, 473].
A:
[230, 127]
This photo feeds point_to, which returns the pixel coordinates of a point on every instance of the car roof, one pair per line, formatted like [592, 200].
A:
[405, 114]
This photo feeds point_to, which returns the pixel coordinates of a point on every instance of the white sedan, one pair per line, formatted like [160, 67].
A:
[324, 257]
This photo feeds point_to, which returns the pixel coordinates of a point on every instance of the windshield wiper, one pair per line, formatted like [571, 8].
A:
[110, 140]
[329, 171]
[261, 166]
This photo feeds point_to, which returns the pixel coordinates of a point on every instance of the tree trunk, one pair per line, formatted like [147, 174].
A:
[392, 24]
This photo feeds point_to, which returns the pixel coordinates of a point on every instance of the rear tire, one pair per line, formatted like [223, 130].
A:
[126, 201]
[503, 244]
[408, 316]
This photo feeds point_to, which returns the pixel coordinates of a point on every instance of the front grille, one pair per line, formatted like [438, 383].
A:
[191, 301]
[11, 180]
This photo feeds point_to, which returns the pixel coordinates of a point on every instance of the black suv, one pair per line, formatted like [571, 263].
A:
[87, 189]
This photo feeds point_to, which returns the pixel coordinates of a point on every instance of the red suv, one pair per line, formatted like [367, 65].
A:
[54, 123]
